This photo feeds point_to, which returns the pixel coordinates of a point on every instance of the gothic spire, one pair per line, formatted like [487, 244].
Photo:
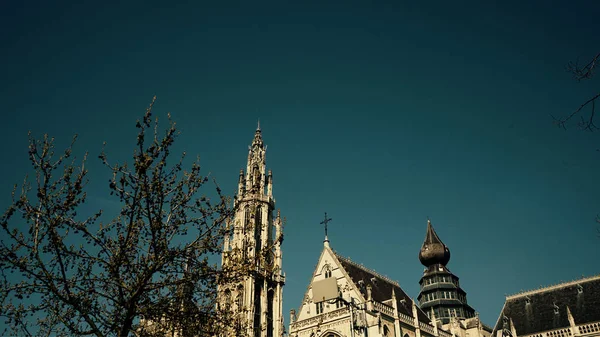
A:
[257, 141]
[433, 251]
[256, 174]
[257, 289]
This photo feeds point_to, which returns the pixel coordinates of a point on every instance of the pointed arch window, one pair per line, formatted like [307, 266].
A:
[256, 176]
[270, 321]
[240, 297]
[247, 216]
[227, 299]
[258, 228]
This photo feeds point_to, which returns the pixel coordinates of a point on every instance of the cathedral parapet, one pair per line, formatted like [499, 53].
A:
[323, 319]
[427, 328]
[383, 308]
[585, 329]
[406, 319]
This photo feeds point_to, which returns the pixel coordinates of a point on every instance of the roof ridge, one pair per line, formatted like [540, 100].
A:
[385, 278]
[552, 287]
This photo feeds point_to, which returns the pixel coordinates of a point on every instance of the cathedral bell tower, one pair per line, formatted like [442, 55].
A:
[255, 241]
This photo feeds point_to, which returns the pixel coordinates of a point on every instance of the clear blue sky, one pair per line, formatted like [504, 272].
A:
[380, 113]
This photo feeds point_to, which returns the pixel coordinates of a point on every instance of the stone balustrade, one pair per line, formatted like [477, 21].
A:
[589, 328]
[385, 309]
[406, 319]
[427, 328]
[560, 333]
[320, 318]
[583, 330]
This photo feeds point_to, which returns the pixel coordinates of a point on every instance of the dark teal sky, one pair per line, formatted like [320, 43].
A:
[380, 113]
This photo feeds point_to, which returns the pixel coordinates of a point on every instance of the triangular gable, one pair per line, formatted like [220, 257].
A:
[348, 274]
[328, 261]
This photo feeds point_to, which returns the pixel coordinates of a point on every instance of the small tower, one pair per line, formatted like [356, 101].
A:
[440, 290]
[256, 238]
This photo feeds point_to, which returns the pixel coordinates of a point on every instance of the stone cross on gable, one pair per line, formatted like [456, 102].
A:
[325, 222]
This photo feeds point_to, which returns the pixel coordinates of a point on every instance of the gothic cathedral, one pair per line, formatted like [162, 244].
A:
[256, 237]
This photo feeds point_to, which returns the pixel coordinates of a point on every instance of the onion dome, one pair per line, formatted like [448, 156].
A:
[433, 251]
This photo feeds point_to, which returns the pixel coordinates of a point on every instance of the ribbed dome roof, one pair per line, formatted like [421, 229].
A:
[433, 250]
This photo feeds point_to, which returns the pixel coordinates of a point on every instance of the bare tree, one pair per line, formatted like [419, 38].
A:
[586, 121]
[146, 271]
[582, 72]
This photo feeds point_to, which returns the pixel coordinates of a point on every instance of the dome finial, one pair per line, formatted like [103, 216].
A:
[433, 251]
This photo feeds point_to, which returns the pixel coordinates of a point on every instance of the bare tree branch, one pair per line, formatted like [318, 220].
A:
[580, 73]
[144, 272]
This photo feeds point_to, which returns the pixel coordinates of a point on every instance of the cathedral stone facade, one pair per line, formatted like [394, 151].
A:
[256, 240]
[369, 304]
[362, 302]
[365, 303]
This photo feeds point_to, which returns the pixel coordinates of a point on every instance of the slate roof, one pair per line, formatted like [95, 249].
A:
[381, 287]
[546, 309]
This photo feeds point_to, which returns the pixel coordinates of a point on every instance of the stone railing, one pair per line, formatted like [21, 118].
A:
[560, 333]
[427, 328]
[319, 318]
[589, 328]
[386, 309]
[566, 332]
[406, 319]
